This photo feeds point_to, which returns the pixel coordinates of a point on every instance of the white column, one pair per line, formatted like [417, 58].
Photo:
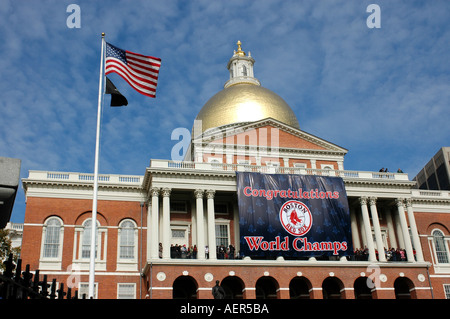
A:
[211, 224]
[405, 232]
[237, 232]
[398, 229]
[149, 231]
[362, 230]
[200, 227]
[391, 230]
[355, 232]
[414, 232]
[377, 229]
[367, 228]
[166, 233]
[154, 224]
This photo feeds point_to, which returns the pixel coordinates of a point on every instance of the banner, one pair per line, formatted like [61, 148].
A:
[293, 215]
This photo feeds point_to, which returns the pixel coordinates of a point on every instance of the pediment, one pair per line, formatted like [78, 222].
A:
[267, 133]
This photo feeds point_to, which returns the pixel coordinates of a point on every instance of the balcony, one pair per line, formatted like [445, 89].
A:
[83, 177]
[223, 167]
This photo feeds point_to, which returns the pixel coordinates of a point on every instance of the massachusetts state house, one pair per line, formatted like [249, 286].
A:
[174, 231]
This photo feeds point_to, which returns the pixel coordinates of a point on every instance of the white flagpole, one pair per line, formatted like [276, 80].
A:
[94, 202]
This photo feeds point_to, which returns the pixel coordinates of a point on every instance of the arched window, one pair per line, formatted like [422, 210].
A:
[52, 238]
[127, 240]
[86, 239]
[440, 247]
[244, 70]
[82, 252]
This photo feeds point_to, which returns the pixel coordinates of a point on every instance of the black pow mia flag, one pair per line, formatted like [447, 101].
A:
[117, 99]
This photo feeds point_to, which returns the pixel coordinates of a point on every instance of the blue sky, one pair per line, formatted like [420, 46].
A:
[383, 94]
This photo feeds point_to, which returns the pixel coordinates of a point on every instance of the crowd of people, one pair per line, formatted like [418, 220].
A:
[391, 254]
[385, 170]
[190, 252]
[229, 252]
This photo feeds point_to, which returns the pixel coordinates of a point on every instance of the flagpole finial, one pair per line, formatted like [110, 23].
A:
[103, 34]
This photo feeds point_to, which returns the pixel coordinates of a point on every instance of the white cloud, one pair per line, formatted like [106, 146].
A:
[383, 94]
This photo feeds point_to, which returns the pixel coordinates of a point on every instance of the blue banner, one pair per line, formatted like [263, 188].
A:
[293, 215]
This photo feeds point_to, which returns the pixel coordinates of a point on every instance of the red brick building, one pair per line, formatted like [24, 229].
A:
[145, 221]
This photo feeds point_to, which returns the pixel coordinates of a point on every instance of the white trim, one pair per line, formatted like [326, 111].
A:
[215, 160]
[223, 222]
[124, 264]
[126, 283]
[73, 226]
[51, 263]
[162, 288]
[385, 288]
[86, 272]
[100, 260]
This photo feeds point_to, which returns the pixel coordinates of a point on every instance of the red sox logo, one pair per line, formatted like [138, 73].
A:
[295, 218]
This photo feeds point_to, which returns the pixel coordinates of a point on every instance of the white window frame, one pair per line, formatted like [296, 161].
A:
[300, 165]
[226, 223]
[127, 264]
[446, 288]
[51, 263]
[438, 266]
[180, 226]
[124, 284]
[83, 288]
[100, 259]
[445, 246]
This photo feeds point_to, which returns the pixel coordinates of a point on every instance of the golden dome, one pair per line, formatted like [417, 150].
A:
[245, 103]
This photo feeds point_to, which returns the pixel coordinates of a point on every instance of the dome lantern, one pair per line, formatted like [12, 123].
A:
[241, 68]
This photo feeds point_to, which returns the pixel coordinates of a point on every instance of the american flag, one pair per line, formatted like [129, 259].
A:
[140, 71]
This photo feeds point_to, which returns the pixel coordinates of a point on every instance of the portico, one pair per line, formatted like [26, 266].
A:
[379, 221]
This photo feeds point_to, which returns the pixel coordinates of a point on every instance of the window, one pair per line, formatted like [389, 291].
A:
[222, 235]
[126, 291]
[220, 208]
[447, 291]
[52, 244]
[127, 240]
[440, 247]
[86, 240]
[84, 290]
[127, 254]
[82, 246]
[52, 238]
[215, 160]
[176, 233]
[300, 165]
[178, 206]
[244, 70]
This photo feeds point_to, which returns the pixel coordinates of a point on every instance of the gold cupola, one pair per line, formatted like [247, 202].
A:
[243, 99]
